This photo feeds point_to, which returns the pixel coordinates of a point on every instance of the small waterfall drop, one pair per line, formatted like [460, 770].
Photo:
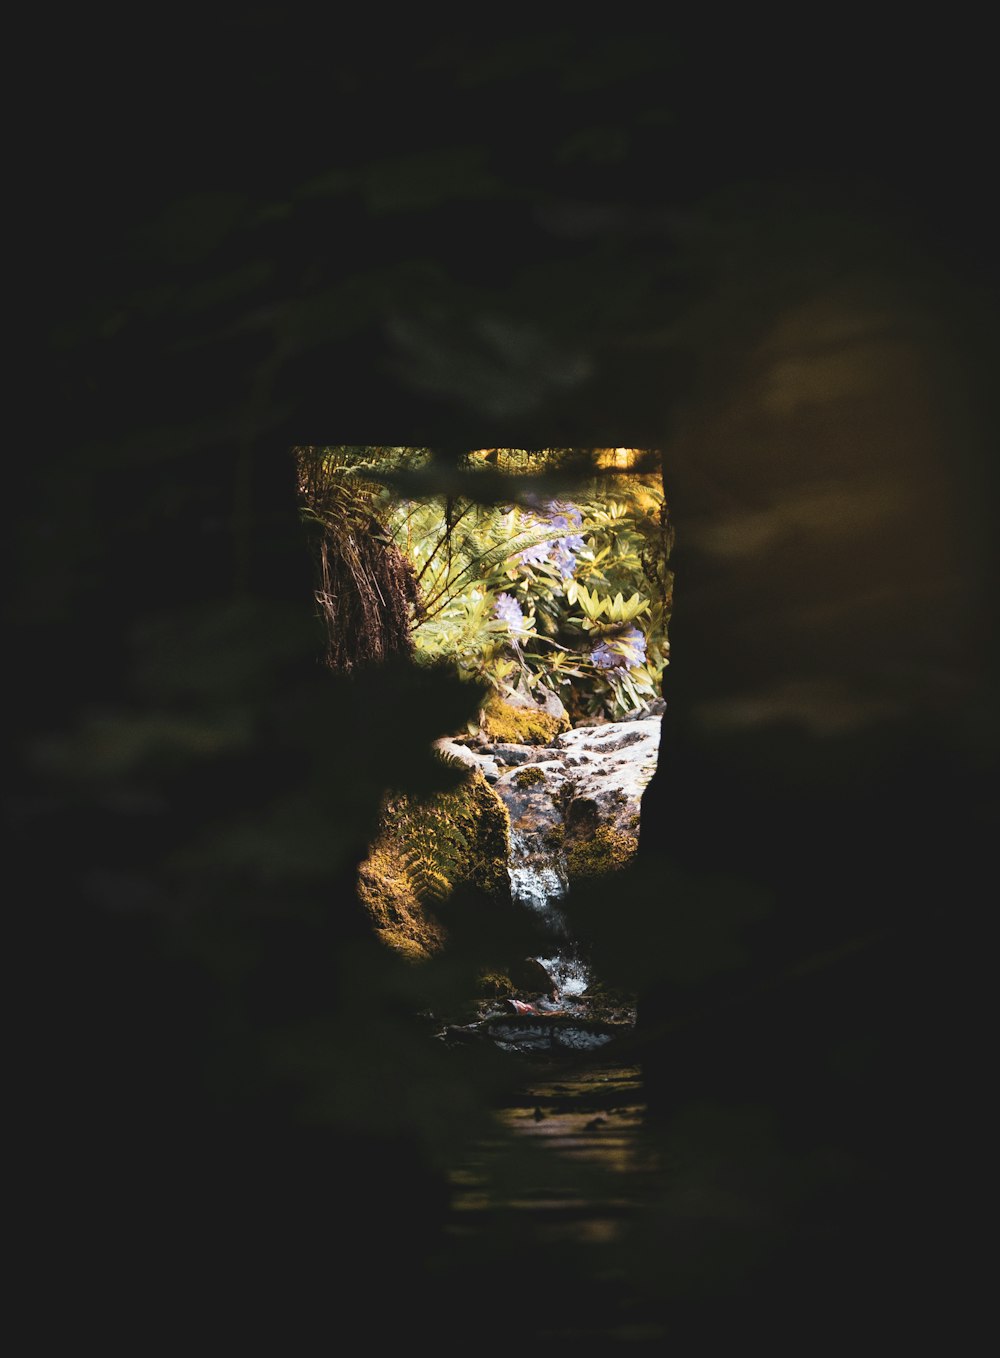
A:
[538, 882]
[559, 798]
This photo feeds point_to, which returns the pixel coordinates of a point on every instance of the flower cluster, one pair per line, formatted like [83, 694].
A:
[508, 610]
[534, 556]
[561, 552]
[624, 651]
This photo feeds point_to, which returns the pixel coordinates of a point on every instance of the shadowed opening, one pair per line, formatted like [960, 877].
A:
[540, 578]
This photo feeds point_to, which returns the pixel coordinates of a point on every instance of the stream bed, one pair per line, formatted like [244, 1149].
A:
[549, 1217]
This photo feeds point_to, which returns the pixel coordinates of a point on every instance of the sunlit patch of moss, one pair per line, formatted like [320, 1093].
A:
[554, 837]
[504, 724]
[529, 777]
[390, 896]
[423, 850]
[607, 850]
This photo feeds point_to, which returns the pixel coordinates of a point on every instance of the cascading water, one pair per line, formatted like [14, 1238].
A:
[538, 882]
[559, 797]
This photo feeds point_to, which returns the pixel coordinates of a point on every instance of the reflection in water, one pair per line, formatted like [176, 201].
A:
[549, 1210]
[582, 1217]
[592, 1119]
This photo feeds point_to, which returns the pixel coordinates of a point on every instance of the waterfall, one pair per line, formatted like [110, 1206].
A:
[588, 777]
[538, 881]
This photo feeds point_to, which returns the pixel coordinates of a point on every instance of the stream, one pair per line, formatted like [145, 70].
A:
[539, 887]
[596, 1209]
[560, 798]
[558, 1191]
[548, 1214]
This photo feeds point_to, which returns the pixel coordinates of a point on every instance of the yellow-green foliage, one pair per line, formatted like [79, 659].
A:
[529, 777]
[425, 849]
[397, 914]
[607, 851]
[504, 724]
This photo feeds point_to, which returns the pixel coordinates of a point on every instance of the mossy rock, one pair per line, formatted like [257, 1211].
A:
[529, 777]
[424, 850]
[505, 724]
[391, 899]
[495, 985]
[607, 850]
[554, 837]
[531, 978]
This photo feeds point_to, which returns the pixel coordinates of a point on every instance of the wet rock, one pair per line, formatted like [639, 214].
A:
[531, 978]
[607, 765]
[526, 1032]
[573, 809]
[573, 813]
[574, 805]
[612, 766]
[534, 806]
[654, 708]
[517, 754]
[480, 759]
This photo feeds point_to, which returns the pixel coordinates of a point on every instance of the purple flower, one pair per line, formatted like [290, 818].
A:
[572, 542]
[567, 516]
[563, 557]
[560, 551]
[564, 514]
[508, 610]
[621, 652]
[534, 556]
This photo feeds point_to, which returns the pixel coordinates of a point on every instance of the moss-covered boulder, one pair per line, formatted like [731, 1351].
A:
[423, 851]
[576, 807]
[606, 850]
[505, 722]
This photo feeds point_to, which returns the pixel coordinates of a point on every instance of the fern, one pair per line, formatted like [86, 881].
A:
[483, 567]
[465, 551]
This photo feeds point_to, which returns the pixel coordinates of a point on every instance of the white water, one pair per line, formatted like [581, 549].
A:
[540, 886]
